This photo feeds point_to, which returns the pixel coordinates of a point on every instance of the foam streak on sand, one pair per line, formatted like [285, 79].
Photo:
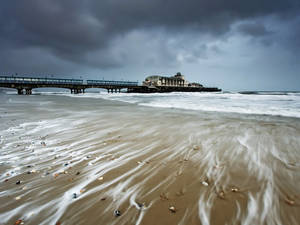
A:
[80, 166]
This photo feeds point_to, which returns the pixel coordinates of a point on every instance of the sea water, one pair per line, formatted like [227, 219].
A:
[216, 157]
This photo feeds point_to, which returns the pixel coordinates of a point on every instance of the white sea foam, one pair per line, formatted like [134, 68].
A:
[261, 103]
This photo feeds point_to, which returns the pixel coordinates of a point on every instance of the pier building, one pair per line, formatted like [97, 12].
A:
[178, 80]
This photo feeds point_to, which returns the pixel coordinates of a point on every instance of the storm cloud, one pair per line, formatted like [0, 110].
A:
[136, 37]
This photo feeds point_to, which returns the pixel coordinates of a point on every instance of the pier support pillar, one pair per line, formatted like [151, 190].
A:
[28, 91]
[77, 90]
[20, 91]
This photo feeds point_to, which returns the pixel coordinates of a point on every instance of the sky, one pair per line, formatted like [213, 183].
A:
[232, 44]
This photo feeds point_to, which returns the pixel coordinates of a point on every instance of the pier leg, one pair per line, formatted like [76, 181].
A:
[20, 91]
[28, 91]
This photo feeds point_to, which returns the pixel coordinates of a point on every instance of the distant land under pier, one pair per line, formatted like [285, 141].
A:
[152, 84]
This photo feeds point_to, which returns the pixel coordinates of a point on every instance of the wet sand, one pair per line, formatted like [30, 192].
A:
[156, 166]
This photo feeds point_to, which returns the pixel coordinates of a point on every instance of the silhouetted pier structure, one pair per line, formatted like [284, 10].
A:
[24, 85]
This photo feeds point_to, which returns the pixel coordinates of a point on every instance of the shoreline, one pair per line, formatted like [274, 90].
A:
[142, 162]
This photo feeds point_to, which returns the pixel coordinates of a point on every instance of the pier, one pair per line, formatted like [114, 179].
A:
[25, 85]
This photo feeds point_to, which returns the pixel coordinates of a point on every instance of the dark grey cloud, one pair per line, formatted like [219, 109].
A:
[76, 35]
[253, 29]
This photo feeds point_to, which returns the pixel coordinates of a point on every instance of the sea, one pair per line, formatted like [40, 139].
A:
[162, 158]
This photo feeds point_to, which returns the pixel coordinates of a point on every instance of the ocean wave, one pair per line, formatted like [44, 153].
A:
[285, 104]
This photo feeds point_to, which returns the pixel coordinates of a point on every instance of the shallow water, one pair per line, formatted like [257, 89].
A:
[213, 167]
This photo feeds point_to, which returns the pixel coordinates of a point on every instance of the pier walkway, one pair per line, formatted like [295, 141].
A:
[24, 85]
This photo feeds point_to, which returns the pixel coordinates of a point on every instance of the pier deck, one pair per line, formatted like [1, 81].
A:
[24, 85]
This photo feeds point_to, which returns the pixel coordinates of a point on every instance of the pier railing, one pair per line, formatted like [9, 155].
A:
[26, 84]
[35, 80]
[112, 82]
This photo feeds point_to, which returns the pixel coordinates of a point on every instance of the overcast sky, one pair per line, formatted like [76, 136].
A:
[232, 44]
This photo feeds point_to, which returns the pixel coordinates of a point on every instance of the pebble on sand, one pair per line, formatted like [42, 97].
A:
[196, 147]
[140, 205]
[18, 182]
[19, 222]
[234, 189]
[117, 213]
[172, 209]
[289, 201]
[204, 183]
[221, 194]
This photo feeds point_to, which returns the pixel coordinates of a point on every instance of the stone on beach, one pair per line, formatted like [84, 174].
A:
[172, 209]
[221, 194]
[234, 189]
[117, 213]
[204, 183]
[19, 222]
[289, 201]
[196, 147]
[140, 205]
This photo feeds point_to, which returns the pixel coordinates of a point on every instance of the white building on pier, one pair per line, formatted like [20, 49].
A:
[177, 80]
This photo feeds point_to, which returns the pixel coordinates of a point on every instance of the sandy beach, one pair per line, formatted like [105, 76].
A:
[72, 161]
